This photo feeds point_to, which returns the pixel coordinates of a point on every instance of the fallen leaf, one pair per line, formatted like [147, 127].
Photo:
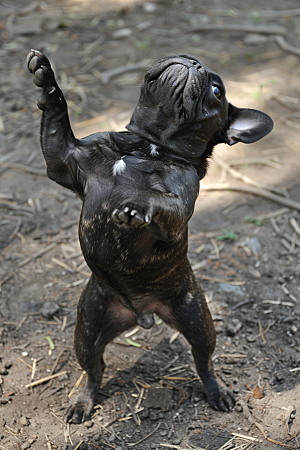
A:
[257, 393]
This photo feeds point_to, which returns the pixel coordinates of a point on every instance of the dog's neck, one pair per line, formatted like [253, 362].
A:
[131, 144]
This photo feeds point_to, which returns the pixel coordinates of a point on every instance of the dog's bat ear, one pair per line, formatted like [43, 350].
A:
[247, 125]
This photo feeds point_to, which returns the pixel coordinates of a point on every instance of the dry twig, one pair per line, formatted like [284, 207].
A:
[146, 437]
[77, 383]
[249, 417]
[43, 380]
[281, 13]
[280, 443]
[255, 191]
[24, 168]
[285, 46]
[244, 178]
[108, 75]
[242, 28]
[37, 254]
[56, 361]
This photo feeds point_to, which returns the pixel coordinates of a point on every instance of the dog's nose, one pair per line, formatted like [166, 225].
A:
[197, 65]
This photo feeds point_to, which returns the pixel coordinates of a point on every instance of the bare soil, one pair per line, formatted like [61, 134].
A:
[247, 262]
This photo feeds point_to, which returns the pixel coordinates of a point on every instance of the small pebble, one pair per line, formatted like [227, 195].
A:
[123, 33]
[231, 289]
[25, 446]
[176, 441]
[112, 437]
[163, 433]
[24, 421]
[88, 424]
[234, 327]
[49, 309]
[294, 329]
[279, 377]
[254, 245]
[3, 372]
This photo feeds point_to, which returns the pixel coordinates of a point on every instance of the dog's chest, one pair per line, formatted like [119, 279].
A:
[109, 185]
[120, 178]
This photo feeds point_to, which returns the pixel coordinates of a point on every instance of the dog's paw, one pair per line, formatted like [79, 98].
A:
[220, 397]
[39, 65]
[80, 409]
[43, 76]
[131, 216]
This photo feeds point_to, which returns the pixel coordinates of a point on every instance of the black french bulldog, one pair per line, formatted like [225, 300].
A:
[139, 189]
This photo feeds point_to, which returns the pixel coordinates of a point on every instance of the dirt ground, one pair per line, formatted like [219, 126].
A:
[244, 248]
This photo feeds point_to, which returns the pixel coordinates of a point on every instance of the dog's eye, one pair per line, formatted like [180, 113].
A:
[217, 92]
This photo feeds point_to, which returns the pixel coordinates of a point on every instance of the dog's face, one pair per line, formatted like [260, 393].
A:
[183, 107]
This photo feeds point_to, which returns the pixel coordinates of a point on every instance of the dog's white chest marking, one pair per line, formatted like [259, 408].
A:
[154, 150]
[119, 167]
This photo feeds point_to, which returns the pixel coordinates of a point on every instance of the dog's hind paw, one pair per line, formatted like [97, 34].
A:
[131, 216]
[80, 410]
[219, 397]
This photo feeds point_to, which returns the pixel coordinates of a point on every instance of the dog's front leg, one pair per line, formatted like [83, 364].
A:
[57, 138]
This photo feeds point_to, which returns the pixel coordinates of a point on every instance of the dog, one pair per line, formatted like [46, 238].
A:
[138, 189]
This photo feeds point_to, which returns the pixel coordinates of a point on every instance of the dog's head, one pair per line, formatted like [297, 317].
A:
[183, 108]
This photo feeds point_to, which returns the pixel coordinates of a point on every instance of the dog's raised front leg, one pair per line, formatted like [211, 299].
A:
[57, 138]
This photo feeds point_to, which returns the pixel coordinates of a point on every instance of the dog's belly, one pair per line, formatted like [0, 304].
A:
[132, 262]
[137, 274]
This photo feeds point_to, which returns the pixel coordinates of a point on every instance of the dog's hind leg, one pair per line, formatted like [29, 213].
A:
[99, 320]
[190, 315]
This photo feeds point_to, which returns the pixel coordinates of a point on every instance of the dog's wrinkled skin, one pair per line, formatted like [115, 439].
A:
[138, 190]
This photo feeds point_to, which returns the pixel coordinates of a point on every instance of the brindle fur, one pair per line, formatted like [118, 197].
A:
[138, 190]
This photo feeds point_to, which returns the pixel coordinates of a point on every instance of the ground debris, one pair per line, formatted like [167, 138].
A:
[159, 398]
[40, 258]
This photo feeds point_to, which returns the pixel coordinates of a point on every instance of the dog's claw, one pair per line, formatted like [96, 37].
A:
[131, 216]
[221, 399]
[80, 410]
